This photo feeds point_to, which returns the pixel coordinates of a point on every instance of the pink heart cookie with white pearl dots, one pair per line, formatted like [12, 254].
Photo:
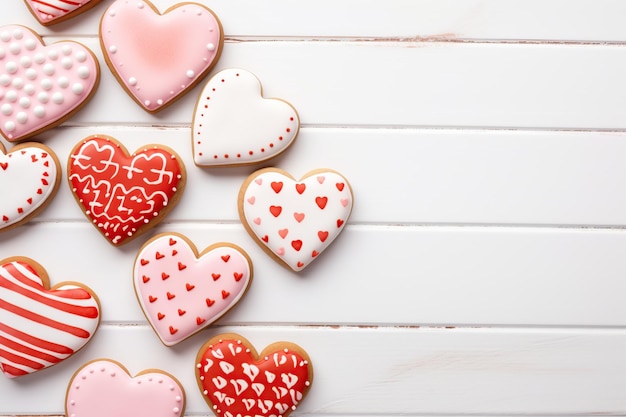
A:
[41, 86]
[49, 12]
[159, 57]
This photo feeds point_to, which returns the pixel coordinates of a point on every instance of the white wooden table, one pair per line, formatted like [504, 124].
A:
[483, 270]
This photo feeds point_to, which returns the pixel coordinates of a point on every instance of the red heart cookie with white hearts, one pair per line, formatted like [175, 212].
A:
[41, 326]
[49, 12]
[41, 86]
[295, 220]
[29, 179]
[123, 195]
[104, 388]
[236, 381]
[159, 57]
[233, 124]
[182, 292]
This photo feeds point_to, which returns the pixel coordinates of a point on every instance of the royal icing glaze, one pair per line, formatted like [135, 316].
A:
[55, 11]
[124, 195]
[29, 178]
[295, 221]
[235, 381]
[39, 326]
[182, 292]
[234, 124]
[158, 57]
[41, 86]
[104, 388]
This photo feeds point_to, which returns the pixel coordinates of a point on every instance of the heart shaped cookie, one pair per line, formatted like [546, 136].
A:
[295, 220]
[182, 292]
[41, 326]
[41, 86]
[104, 388]
[29, 178]
[49, 12]
[159, 57]
[233, 124]
[123, 195]
[236, 381]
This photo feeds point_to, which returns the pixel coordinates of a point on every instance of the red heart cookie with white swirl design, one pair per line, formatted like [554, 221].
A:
[295, 220]
[234, 124]
[182, 292]
[236, 381]
[29, 179]
[41, 86]
[49, 12]
[41, 326]
[159, 57]
[123, 195]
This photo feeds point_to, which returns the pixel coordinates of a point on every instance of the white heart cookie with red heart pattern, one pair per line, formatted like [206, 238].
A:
[49, 12]
[182, 292]
[41, 86]
[29, 179]
[233, 124]
[295, 220]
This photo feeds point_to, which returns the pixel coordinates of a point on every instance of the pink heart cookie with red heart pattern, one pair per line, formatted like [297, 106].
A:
[49, 12]
[158, 57]
[41, 86]
[182, 292]
[295, 220]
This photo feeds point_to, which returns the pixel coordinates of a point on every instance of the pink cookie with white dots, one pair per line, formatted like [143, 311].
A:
[41, 86]
[157, 57]
[104, 388]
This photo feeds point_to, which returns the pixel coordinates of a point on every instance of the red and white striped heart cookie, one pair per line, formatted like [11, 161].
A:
[49, 12]
[29, 179]
[295, 220]
[236, 381]
[182, 292]
[41, 326]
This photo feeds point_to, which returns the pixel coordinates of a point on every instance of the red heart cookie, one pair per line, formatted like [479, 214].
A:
[41, 326]
[295, 220]
[159, 57]
[234, 124]
[235, 381]
[29, 178]
[49, 12]
[124, 195]
[182, 292]
[41, 86]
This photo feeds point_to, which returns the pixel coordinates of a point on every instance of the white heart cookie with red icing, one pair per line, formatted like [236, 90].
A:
[236, 381]
[182, 292]
[295, 220]
[49, 12]
[104, 388]
[41, 86]
[159, 57]
[41, 326]
[233, 124]
[29, 178]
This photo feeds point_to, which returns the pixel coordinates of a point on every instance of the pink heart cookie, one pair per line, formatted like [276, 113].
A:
[41, 326]
[159, 57]
[295, 220]
[41, 86]
[182, 292]
[234, 125]
[104, 388]
[49, 12]
[29, 178]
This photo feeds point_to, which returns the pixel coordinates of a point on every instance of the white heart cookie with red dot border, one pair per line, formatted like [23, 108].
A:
[159, 57]
[41, 326]
[182, 292]
[41, 86]
[29, 179]
[295, 220]
[49, 12]
[104, 388]
[233, 124]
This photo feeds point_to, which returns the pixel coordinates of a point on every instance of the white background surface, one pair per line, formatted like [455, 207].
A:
[483, 269]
